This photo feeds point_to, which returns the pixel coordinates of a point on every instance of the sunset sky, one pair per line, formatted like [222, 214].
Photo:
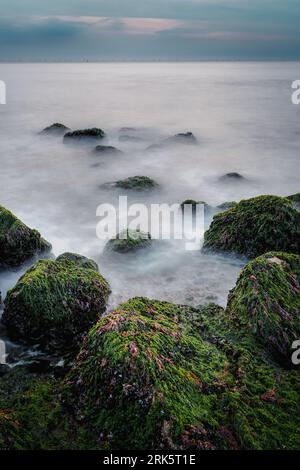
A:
[149, 29]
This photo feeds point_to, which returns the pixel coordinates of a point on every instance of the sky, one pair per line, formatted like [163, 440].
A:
[95, 30]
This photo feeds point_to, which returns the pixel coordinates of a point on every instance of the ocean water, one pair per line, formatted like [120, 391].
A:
[241, 114]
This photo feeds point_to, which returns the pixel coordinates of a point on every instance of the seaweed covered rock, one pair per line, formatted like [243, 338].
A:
[129, 241]
[54, 303]
[143, 376]
[226, 205]
[107, 150]
[79, 260]
[18, 242]
[255, 226]
[156, 375]
[295, 199]
[194, 204]
[266, 302]
[56, 129]
[85, 135]
[134, 183]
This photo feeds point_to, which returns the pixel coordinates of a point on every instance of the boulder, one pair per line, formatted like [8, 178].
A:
[107, 150]
[79, 260]
[18, 242]
[85, 135]
[54, 303]
[129, 241]
[231, 177]
[255, 226]
[266, 302]
[135, 183]
[56, 129]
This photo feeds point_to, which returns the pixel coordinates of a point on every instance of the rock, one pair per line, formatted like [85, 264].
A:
[136, 183]
[154, 375]
[54, 303]
[79, 260]
[231, 177]
[295, 199]
[130, 138]
[135, 240]
[266, 302]
[182, 138]
[226, 205]
[255, 226]
[57, 128]
[18, 242]
[107, 150]
[194, 204]
[85, 135]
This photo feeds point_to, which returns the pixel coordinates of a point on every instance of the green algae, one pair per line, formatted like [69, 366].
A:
[18, 242]
[256, 226]
[54, 303]
[129, 241]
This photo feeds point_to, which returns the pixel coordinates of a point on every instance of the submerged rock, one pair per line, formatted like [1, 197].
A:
[255, 226]
[107, 150]
[57, 128]
[266, 302]
[129, 241]
[136, 183]
[232, 177]
[18, 242]
[86, 134]
[182, 138]
[55, 302]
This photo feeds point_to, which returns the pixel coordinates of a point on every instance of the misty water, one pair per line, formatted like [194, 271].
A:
[241, 114]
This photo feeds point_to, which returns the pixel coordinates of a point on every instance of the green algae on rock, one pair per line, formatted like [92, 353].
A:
[255, 226]
[79, 260]
[136, 183]
[107, 150]
[226, 205]
[129, 241]
[54, 303]
[85, 134]
[157, 375]
[266, 301]
[295, 198]
[18, 242]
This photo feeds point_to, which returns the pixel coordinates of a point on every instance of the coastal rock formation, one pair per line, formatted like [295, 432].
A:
[85, 135]
[266, 302]
[55, 302]
[18, 242]
[57, 129]
[79, 260]
[255, 226]
[136, 183]
[107, 150]
[129, 241]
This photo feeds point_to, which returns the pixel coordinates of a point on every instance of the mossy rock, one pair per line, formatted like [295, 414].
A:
[133, 183]
[18, 242]
[232, 177]
[79, 260]
[156, 375]
[256, 226]
[182, 138]
[194, 204]
[129, 241]
[107, 150]
[85, 134]
[227, 205]
[54, 303]
[266, 301]
[57, 128]
[295, 199]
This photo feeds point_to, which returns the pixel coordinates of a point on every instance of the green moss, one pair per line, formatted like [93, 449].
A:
[153, 374]
[54, 303]
[129, 241]
[226, 205]
[295, 199]
[33, 417]
[256, 226]
[266, 301]
[138, 183]
[17, 241]
[56, 128]
[79, 260]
